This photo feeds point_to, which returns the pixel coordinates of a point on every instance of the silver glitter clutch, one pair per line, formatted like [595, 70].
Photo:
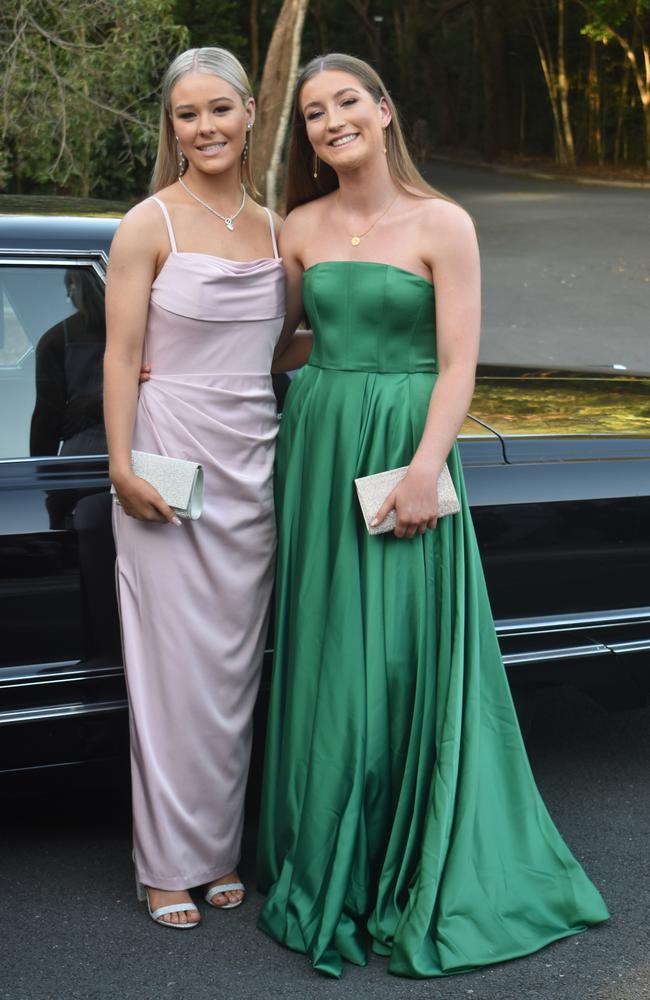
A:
[179, 483]
[373, 490]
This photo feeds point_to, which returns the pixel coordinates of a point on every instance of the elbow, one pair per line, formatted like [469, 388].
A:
[115, 361]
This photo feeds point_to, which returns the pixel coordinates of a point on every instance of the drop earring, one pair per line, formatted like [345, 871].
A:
[316, 166]
[182, 162]
[244, 155]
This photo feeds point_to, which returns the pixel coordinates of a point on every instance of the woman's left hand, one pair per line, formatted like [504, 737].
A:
[415, 501]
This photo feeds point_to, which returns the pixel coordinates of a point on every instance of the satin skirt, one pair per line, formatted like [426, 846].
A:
[399, 809]
[194, 610]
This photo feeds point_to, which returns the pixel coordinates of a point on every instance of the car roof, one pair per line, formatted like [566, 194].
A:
[56, 232]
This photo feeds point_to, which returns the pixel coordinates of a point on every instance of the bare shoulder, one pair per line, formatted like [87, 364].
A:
[141, 230]
[448, 218]
[294, 230]
[301, 223]
[277, 219]
[447, 215]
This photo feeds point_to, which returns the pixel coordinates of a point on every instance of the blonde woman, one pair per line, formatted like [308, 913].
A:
[399, 809]
[195, 286]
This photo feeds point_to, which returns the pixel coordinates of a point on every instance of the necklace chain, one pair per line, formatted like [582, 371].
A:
[356, 240]
[229, 220]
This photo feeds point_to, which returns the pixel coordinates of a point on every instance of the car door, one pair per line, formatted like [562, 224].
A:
[565, 532]
[62, 699]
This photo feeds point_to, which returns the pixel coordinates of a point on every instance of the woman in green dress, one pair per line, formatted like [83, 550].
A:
[399, 810]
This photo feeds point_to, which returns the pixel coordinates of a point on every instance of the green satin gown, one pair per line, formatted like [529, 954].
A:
[399, 810]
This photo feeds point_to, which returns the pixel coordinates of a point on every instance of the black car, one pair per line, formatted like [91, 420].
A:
[557, 465]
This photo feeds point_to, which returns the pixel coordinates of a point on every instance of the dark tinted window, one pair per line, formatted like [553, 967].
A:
[52, 337]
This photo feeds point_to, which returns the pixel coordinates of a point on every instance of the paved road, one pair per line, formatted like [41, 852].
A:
[566, 268]
[71, 929]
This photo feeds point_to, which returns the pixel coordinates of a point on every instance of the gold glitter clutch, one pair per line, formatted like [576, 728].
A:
[180, 483]
[373, 490]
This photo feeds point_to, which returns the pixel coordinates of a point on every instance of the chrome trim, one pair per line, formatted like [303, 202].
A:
[634, 646]
[17, 366]
[76, 709]
[35, 459]
[559, 436]
[548, 655]
[24, 678]
[20, 256]
[587, 619]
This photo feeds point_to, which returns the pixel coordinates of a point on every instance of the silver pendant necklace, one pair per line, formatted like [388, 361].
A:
[229, 220]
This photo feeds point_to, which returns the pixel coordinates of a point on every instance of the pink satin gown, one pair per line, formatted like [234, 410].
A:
[194, 599]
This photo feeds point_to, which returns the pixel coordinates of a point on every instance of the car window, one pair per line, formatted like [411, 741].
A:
[52, 338]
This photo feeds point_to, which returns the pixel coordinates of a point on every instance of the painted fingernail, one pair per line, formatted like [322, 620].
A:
[177, 520]
[374, 522]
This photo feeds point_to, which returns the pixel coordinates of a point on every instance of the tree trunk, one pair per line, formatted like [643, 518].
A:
[550, 78]
[316, 11]
[360, 7]
[620, 115]
[85, 146]
[563, 85]
[255, 40]
[496, 105]
[640, 68]
[646, 119]
[594, 131]
[276, 96]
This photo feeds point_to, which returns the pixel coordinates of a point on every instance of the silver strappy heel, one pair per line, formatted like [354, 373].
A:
[225, 887]
[156, 915]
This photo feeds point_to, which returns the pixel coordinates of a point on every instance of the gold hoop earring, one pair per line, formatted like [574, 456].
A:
[316, 166]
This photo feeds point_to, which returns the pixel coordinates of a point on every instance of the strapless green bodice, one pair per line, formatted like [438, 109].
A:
[370, 317]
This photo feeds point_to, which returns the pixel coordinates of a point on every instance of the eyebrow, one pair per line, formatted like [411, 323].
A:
[213, 100]
[337, 94]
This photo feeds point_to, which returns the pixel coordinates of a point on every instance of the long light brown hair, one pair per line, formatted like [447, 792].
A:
[221, 63]
[302, 186]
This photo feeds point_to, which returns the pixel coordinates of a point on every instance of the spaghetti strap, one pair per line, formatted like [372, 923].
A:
[275, 242]
[168, 222]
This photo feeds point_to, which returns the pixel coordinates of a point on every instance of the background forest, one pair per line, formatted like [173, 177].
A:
[566, 81]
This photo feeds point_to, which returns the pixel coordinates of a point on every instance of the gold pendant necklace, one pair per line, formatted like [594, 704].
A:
[356, 240]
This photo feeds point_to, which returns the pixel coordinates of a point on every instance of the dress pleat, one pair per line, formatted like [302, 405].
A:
[399, 809]
[194, 599]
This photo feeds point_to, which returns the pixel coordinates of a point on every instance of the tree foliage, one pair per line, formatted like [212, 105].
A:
[78, 87]
[568, 79]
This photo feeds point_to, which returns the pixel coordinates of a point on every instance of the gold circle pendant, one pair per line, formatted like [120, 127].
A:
[356, 240]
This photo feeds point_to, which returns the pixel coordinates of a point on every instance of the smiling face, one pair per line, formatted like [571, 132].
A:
[344, 123]
[211, 122]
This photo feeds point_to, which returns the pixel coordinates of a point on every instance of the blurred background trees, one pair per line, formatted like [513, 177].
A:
[557, 80]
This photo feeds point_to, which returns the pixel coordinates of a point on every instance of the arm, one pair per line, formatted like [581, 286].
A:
[294, 346]
[131, 273]
[456, 273]
[47, 419]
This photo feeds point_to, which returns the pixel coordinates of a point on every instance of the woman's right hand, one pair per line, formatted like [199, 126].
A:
[139, 499]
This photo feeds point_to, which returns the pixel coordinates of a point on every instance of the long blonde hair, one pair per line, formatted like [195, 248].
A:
[207, 60]
[301, 184]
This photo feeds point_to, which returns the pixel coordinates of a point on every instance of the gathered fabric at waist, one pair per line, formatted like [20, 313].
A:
[416, 368]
